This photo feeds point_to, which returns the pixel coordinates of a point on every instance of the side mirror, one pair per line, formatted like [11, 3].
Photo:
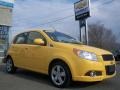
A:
[39, 41]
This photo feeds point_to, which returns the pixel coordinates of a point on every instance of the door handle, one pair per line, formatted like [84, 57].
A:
[26, 48]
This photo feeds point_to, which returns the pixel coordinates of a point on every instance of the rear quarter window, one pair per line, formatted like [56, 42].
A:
[20, 39]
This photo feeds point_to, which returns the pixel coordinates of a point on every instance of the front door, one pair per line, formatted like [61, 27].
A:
[36, 54]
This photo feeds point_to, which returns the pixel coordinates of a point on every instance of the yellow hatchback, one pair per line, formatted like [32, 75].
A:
[60, 56]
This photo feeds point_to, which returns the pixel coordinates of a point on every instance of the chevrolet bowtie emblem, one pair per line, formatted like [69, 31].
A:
[111, 62]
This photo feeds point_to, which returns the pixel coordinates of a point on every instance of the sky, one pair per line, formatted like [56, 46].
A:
[44, 13]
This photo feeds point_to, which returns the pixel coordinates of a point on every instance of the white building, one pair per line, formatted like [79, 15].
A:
[6, 8]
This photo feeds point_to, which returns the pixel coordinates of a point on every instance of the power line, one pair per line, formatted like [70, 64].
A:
[66, 17]
[108, 2]
[59, 19]
[50, 14]
[61, 10]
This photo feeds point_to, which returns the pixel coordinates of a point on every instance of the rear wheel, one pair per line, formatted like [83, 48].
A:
[60, 74]
[10, 68]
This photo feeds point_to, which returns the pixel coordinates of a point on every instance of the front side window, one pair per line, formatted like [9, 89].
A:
[20, 39]
[34, 35]
[61, 37]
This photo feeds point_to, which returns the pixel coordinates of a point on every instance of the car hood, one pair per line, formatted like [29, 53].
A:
[95, 50]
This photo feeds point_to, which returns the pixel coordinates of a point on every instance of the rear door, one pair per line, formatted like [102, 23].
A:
[18, 48]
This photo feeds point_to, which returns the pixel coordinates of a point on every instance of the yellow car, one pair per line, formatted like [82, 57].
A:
[60, 56]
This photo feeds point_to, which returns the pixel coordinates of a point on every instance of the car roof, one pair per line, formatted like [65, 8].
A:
[36, 29]
[33, 29]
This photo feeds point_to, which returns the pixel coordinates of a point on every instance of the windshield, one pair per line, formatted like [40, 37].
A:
[61, 37]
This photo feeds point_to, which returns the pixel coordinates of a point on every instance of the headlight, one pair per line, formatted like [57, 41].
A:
[86, 55]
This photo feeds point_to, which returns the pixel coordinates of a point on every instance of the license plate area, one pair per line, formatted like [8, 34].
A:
[110, 70]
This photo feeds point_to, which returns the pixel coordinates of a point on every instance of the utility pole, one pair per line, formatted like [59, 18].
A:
[80, 31]
[86, 31]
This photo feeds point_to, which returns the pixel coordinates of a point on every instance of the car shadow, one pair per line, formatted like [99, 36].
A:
[29, 75]
[77, 85]
[44, 79]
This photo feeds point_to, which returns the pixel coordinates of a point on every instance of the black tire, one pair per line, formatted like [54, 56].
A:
[66, 71]
[10, 68]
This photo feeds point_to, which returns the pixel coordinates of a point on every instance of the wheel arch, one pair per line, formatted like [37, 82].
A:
[8, 56]
[63, 61]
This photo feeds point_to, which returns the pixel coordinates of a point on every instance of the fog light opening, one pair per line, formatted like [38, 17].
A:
[93, 74]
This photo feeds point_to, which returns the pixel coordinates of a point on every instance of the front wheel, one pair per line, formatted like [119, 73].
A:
[10, 68]
[60, 75]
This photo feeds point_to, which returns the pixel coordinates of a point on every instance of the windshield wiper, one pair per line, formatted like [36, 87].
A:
[64, 41]
[70, 42]
[76, 42]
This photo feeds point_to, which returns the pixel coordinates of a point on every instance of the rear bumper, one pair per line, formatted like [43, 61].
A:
[3, 60]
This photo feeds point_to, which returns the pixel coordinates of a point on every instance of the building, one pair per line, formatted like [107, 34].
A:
[6, 8]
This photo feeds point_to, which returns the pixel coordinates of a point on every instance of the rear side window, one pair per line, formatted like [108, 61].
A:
[20, 39]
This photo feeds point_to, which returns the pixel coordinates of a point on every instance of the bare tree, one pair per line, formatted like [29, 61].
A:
[100, 36]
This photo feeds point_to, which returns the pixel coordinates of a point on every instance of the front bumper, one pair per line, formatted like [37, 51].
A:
[92, 79]
[84, 66]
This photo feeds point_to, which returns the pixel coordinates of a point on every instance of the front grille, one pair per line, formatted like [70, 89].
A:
[110, 70]
[108, 57]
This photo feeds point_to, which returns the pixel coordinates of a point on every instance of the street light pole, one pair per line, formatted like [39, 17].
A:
[87, 33]
[83, 24]
[80, 31]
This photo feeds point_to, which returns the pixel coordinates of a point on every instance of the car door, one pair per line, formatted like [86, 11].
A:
[36, 54]
[18, 49]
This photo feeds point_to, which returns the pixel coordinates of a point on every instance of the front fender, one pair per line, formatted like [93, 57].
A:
[68, 61]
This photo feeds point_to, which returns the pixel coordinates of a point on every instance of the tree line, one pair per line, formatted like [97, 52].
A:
[102, 37]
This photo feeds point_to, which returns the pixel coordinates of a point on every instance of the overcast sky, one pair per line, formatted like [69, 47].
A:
[36, 13]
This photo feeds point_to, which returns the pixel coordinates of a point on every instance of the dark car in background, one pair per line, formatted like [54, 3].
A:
[117, 55]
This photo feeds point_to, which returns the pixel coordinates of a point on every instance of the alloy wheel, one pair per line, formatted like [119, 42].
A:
[58, 75]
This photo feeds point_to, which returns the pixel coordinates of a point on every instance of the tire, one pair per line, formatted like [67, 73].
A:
[10, 68]
[59, 74]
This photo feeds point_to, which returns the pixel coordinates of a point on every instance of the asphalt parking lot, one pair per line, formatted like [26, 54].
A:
[27, 80]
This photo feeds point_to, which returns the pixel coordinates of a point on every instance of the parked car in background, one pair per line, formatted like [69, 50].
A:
[60, 56]
[117, 55]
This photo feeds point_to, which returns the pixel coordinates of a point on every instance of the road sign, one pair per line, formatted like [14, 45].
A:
[82, 9]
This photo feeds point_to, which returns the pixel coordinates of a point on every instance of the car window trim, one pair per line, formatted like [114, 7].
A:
[40, 34]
